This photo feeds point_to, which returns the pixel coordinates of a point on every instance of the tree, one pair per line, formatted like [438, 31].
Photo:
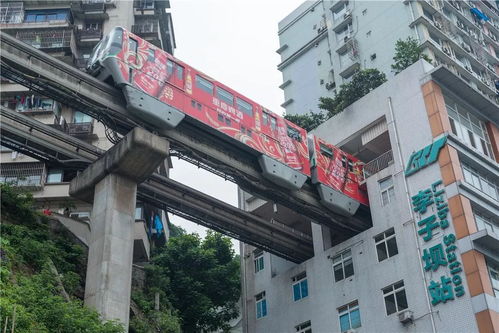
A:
[407, 52]
[307, 121]
[200, 278]
[361, 84]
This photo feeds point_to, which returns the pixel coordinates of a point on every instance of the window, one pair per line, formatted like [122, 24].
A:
[343, 265]
[480, 181]
[150, 55]
[484, 222]
[386, 244]
[80, 117]
[293, 133]
[225, 96]
[80, 215]
[387, 191]
[349, 316]
[494, 276]
[204, 84]
[300, 286]
[54, 176]
[468, 127]
[132, 45]
[244, 106]
[326, 151]
[139, 213]
[261, 305]
[169, 68]
[305, 327]
[93, 26]
[258, 260]
[395, 299]
[180, 72]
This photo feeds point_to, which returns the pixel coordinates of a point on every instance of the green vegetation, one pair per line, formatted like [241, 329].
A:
[307, 121]
[41, 273]
[199, 277]
[407, 52]
[362, 83]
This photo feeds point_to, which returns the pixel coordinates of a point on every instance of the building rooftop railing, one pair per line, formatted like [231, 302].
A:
[379, 163]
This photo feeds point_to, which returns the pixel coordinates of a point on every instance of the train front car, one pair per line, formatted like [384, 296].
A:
[337, 176]
[162, 91]
[141, 70]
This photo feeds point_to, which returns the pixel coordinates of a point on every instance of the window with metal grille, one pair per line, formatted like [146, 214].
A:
[343, 265]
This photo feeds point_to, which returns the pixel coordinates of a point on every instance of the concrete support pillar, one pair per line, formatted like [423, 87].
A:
[110, 254]
[111, 184]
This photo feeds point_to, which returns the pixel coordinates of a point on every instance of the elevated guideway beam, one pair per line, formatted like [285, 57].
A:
[53, 78]
[48, 144]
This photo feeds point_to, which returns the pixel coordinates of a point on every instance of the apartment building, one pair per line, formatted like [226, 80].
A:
[68, 30]
[430, 261]
[323, 43]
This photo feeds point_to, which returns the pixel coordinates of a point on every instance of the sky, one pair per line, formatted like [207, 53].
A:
[234, 42]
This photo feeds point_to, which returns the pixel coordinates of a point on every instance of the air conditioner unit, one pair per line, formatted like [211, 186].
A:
[347, 15]
[468, 68]
[330, 85]
[489, 66]
[438, 25]
[446, 50]
[346, 38]
[406, 317]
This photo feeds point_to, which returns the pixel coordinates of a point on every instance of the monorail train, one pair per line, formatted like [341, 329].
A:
[164, 91]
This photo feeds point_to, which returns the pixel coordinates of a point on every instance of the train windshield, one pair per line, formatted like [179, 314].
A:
[110, 45]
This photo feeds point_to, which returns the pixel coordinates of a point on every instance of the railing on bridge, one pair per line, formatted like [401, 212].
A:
[379, 163]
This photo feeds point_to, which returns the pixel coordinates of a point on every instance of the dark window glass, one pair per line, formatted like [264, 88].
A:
[401, 300]
[390, 304]
[453, 126]
[62, 16]
[41, 18]
[381, 249]
[150, 55]
[273, 123]
[30, 18]
[193, 103]
[265, 118]
[348, 267]
[293, 133]
[132, 45]
[180, 72]
[51, 17]
[220, 117]
[227, 121]
[169, 68]
[338, 273]
[225, 96]
[326, 151]
[249, 132]
[204, 84]
[392, 247]
[244, 106]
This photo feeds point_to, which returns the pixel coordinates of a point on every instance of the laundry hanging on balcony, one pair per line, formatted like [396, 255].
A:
[479, 15]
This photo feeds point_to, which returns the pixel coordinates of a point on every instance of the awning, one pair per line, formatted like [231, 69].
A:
[478, 14]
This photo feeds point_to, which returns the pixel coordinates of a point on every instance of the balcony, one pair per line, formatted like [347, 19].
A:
[378, 164]
[144, 8]
[148, 31]
[27, 175]
[41, 106]
[342, 21]
[88, 37]
[80, 129]
[47, 40]
[90, 9]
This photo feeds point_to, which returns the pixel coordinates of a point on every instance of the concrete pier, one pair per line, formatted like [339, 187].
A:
[111, 184]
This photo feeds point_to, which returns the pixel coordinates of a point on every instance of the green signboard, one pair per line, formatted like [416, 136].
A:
[442, 254]
[424, 157]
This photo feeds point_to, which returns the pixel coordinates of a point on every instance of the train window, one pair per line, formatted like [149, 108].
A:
[180, 72]
[220, 117]
[243, 129]
[273, 123]
[132, 45]
[169, 68]
[244, 106]
[204, 84]
[193, 103]
[227, 121]
[344, 161]
[265, 118]
[326, 151]
[199, 106]
[350, 165]
[294, 134]
[150, 55]
[248, 132]
[225, 96]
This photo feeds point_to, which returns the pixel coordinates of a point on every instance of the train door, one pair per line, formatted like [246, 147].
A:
[133, 47]
[270, 134]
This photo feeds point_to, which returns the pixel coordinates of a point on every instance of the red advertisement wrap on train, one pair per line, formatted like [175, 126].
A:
[164, 91]
[339, 170]
[175, 83]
